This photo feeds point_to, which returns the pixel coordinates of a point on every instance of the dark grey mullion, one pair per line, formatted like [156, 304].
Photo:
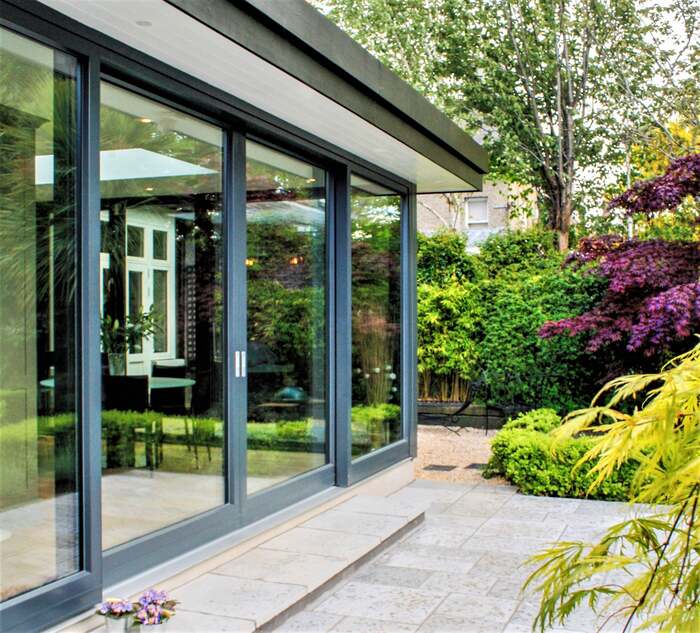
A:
[329, 326]
[409, 375]
[237, 329]
[91, 370]
[343, 323]
[229, 335]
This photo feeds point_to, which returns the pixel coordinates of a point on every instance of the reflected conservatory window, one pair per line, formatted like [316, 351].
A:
[39, 473]
[161, 310]
[376, 316]
[286, 264]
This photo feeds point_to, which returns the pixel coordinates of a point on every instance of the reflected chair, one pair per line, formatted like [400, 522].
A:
[130, 393]
[126, 393]
[172, 401]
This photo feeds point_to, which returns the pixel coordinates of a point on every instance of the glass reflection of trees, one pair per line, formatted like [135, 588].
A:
[39, 506]
[286, 264]
[376, 316]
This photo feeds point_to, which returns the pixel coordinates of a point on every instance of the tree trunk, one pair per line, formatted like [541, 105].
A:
[563, 239]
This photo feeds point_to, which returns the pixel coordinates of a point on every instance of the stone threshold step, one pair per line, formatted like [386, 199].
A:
[260, 589]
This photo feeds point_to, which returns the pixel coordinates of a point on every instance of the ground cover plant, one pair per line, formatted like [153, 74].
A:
[646, 568]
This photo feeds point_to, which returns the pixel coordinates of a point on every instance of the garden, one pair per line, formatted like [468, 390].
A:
[541, 331]
[594, 354]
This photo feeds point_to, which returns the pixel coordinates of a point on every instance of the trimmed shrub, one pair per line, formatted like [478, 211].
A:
[524, 457]
[523, 369]
[541, 420]
[531, 249]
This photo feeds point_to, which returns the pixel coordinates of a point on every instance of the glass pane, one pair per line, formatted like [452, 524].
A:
[162, 416]
[134, 241]
[160, 244]
[39, 427]
[286, 263]
[376, 316]
[135, 307]
[160, 309]
[104, 236]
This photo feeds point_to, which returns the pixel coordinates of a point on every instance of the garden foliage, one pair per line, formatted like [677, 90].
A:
[522, 453]
[483, 322]
[652, 302]
[646, 568]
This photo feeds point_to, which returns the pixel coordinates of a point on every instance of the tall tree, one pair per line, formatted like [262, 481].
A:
[556, 89]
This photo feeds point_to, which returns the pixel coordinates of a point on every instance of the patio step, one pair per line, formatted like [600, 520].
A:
[264, 586]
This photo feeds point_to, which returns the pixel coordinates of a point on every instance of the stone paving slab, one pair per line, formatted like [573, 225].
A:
[381, 602]
[463, 568]
[256, 588]
[287, 567]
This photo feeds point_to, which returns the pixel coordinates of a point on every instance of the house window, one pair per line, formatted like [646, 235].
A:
[477, 211]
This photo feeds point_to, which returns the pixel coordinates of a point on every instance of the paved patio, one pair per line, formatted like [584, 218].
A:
[461, 570]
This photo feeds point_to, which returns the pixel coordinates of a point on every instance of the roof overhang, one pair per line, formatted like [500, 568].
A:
[286, 59]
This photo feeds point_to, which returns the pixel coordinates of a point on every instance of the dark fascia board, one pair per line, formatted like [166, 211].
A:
[297, 39]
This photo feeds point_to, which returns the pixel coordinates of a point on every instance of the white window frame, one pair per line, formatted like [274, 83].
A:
[148, 220]
[479, 223]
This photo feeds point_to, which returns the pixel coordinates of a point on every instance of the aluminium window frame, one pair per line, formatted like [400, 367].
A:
[100, 57]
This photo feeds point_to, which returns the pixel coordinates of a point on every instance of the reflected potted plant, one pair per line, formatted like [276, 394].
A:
[118, 614]
[153, 608]
[119, 338]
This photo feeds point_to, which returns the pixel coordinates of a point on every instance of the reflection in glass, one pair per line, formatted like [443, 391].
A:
[376, 316]
[161, 267]
[39, 481]
[286, 263]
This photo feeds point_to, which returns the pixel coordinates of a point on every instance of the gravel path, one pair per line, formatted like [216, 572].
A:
[453, 446]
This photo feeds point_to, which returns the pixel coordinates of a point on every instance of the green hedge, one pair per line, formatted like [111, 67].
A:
[290, 435]
[479, 316]
[524, 457]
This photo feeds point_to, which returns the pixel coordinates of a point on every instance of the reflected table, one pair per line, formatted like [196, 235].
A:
[157, 382]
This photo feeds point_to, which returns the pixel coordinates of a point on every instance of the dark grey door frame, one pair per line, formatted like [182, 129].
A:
[97, 54]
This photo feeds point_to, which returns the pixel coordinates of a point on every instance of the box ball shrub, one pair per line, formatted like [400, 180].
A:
[524, 456]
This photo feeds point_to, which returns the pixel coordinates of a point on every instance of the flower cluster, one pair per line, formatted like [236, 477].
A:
[652, 296]
[665, 193]
[153, 607]
[115, 608]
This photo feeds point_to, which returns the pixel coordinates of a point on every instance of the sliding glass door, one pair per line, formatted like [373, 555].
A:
[40, 539]
[161, 314]
[376, 416]
[287, 303]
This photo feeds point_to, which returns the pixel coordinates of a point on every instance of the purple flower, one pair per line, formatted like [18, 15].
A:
[114, 607]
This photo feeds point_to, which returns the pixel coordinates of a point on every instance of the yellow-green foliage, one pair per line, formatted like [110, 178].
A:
[646, 568]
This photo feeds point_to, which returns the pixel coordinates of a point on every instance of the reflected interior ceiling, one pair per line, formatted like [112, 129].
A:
[164, 32]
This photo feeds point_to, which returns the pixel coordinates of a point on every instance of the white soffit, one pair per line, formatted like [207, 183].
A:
[168, 34]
